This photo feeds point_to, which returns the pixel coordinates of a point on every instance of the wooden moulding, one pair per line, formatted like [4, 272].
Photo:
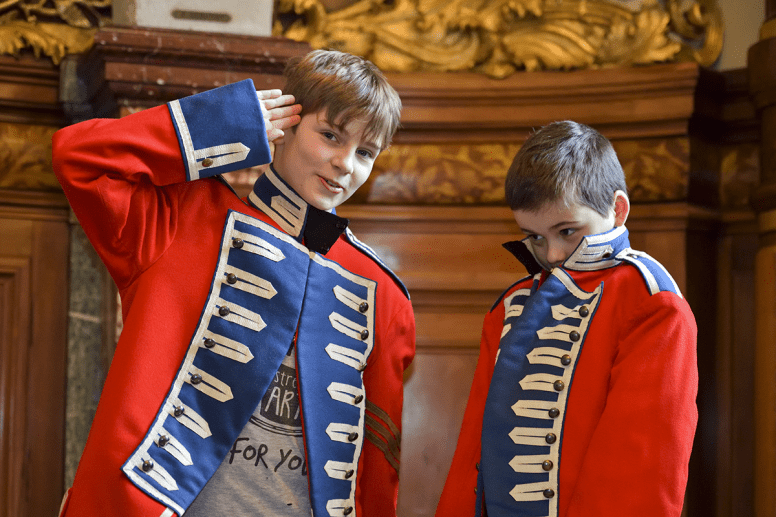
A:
[146, 67]
[29, 91]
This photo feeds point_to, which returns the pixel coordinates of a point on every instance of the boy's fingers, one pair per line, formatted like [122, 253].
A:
[286, 122]
[284, 112]
[268, 94]
[277, 101]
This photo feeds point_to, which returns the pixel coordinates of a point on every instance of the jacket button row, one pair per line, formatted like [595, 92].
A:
[147, 465]
[574, 336]
[565, 360]
[349, 474]
[210, 343]
[549, 493]
[163, 440]
[231, 278]
[358, 399]
[178, 411]
[547, 465]
[554, 412]
[352, 437]
[207, 162]
[364, 334]
[550, 438]
[363, 307]
[558, 385]
[347, 511]
[223, 311]
[196, 378]
[237, 243]
[584, 311]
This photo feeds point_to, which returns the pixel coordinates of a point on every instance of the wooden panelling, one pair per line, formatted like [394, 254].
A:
[33, 322]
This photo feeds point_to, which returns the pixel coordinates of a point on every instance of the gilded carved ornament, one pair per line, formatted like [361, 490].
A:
[51, 28]
[498, 37]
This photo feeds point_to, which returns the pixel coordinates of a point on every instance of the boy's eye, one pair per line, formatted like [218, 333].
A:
[366, 153]
[568, 231]
[535, 238]
[329, 135]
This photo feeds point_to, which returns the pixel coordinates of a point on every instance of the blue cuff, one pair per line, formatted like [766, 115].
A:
[220, 130]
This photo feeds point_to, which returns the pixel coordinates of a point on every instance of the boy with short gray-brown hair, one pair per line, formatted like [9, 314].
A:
[583, 400]
[259, 370]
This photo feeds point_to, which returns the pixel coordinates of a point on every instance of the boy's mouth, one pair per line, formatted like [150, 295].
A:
[331, 185]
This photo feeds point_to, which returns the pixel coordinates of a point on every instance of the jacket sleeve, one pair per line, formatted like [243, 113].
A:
[123, 177]
[459, 497]
[637, 461]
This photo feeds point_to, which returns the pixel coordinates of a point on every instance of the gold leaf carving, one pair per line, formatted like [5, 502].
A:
[655, 169]
[497, 37]
[25, 157]
[53, 29]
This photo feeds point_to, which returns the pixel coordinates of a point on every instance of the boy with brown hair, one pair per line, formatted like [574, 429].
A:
[259, 370]
[583, 399]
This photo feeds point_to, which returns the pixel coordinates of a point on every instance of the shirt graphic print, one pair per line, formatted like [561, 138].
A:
[265, 472]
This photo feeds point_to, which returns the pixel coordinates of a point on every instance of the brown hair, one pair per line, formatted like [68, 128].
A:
[347, 87]
[565, 161]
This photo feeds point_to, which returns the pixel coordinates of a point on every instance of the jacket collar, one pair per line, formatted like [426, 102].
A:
[317, 229]
[595, 252]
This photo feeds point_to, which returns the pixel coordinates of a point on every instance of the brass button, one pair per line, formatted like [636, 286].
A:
[352, 437]
[558, 385]
[549, 493]
[347, 511]
[231, 278]
[223, 311]
[363, 307]
[362, 367]
[237, 243]
[148, 465]
[584, 311]
[565, 360]
[210, 343]
[349, 474]
[178, 411]
[574, 335]
[547, 465]
[550, 438]
[207, 162]
[554, 412]
[358, 399]
[163, 440]
[607, 255]
[196, 378]
[364, 334]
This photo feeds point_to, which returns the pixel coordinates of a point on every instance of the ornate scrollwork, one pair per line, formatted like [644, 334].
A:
[52, 28]
[498, 37]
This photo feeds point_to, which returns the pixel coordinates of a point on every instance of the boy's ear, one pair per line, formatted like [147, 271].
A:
[621, 208]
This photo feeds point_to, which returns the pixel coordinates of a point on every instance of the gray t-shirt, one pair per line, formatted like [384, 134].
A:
[265, 473]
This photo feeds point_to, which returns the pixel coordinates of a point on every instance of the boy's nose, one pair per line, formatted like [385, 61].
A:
[555, 256]
[344, 161]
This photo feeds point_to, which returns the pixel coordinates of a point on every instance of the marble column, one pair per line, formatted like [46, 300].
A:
[762, 85]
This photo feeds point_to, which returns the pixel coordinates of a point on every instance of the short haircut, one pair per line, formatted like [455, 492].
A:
[565, 161]
[346, 87]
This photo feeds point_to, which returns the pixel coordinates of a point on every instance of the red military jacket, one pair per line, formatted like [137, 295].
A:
[583, 399]
[213, 291]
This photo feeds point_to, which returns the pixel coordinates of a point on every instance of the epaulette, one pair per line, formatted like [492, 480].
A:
[656, 277]
[369, 252]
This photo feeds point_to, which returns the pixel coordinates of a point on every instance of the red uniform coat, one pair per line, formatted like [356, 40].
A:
[213, 290]
[592, 396]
